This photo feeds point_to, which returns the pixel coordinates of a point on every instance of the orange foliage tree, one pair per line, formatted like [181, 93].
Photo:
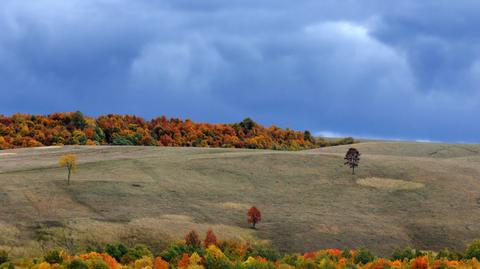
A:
[73, 128]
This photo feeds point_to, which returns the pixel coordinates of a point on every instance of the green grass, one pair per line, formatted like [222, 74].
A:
[309, 199]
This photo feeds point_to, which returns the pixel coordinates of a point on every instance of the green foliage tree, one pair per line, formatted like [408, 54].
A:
[77, 264]
[307, 136]
[78, 120]
[247, 124]
[449, 255]
[136, 253]
[364, 256]
[473, 250]
[116, 251]
[401, 254]
[53, 256]
[97, 264]
[263, 250]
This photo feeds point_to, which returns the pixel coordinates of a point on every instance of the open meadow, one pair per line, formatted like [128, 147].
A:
[422, 195]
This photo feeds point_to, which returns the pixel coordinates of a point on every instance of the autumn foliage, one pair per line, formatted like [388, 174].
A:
[420, 263]
[69, 161]
[254, 216]
[232, 255]
[192, 239]
[160, 263]
[210, 239]
[73, 128]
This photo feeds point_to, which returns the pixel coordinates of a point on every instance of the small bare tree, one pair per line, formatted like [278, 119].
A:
[68, 161]
[352, 158]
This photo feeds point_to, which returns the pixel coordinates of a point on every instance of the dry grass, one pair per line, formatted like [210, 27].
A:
[308, 199]
[233, 205]
[389, 184]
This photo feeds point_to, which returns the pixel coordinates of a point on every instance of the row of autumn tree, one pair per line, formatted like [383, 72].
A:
[73, 128]
[192, 253]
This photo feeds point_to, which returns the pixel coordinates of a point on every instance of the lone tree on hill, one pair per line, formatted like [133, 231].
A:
[352, 158]
[254, 216]
[68, 161]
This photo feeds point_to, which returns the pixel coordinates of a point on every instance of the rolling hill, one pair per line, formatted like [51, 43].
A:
[422, 195]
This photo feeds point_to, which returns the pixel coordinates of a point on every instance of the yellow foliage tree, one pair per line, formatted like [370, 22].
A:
[69, 161]
[194, 262]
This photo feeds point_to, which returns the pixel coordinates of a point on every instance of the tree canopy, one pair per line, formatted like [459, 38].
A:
[73, 128]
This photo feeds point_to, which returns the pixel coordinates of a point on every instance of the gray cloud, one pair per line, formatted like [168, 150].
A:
[370, 68]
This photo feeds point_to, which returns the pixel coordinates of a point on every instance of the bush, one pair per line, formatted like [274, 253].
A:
[327, 264]
[136, 253]
[119, 140]
[264, 251]
[233, 249]
[175, 252]
[77, 264]
[290, 259]
[53, 256]
[116, 251]
[306, 264]
[346, 253]
[449, 255]
[255, 264]
[364, 256]
[344, 141]
[223, 263]
[473, 250]
[402, 254]
[350, 266]
[3, 256]
[97, 264]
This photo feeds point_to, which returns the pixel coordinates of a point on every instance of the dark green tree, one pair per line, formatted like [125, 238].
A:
[78, 120]
[352, 159]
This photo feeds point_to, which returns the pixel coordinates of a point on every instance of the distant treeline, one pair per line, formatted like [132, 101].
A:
[73, 128]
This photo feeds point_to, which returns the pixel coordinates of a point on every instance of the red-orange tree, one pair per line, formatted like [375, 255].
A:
[210, 239]
[254, 216]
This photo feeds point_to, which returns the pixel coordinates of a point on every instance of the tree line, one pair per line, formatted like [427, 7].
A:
[73, 128]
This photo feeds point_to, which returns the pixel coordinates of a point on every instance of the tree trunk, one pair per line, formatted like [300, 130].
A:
[253, 224]
[353, 170]
[68, 178]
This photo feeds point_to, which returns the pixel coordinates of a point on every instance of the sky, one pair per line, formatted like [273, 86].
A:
[381, 69]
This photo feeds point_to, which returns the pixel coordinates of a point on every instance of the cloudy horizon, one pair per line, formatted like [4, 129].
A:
[392, 70]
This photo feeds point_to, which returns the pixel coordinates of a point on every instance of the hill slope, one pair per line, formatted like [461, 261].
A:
[422, 195]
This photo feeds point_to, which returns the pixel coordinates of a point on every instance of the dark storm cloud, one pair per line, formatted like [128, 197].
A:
[369, 68]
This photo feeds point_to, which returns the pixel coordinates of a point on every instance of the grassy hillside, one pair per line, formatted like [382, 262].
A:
[416, 194]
